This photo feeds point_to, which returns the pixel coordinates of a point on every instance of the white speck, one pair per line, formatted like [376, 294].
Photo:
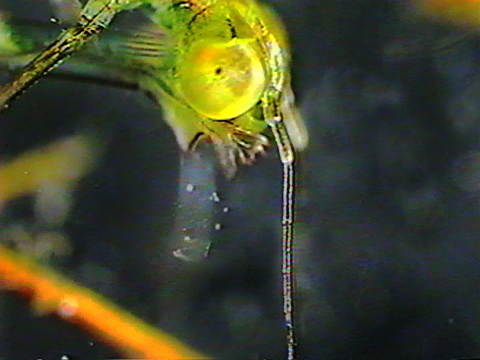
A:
[90, 343]
[64, 357]
[190, 188]
[54, 20]
[187, 238]
[26, 172]
[226, 209]
[215, 197]
[218, 226]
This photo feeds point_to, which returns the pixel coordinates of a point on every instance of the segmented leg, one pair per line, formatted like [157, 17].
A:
[94, 18]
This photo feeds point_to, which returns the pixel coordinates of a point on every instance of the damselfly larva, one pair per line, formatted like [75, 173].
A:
[219, 69]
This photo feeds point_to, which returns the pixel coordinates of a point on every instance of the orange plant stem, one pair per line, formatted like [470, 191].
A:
[51, 293]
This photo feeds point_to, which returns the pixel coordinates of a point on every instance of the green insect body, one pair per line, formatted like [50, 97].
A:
[218, 68]
[220, 74]
[220, 71]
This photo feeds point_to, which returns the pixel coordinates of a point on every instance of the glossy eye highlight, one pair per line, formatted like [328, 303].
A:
[222, 79]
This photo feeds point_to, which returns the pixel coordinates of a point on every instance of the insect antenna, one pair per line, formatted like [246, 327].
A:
[287, 157]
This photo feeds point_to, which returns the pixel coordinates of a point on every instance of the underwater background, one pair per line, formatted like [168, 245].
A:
[388, 202]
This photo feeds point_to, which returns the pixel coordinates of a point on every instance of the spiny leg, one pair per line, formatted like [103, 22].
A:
[95, 17]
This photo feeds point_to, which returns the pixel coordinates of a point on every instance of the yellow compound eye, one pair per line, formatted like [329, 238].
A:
[222, 79]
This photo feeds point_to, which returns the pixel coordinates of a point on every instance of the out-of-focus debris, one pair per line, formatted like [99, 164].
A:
[40, 245]
[59, 164]
[7, 44]
[52, 204]
[460, 12]
[49, 174]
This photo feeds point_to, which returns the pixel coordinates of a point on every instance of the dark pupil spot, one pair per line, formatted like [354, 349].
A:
[218, 71]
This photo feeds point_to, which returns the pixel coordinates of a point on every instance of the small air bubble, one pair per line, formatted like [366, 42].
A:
[226, 209]
[190, 188]
[64, 357]
[54, 21]
[218, 226]
[215, 197]
[187, 238]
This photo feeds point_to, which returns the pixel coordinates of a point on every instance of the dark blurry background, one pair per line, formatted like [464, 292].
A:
[387, 252]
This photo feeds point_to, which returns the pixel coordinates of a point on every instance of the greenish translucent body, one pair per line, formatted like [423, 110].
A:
[240, 29]
[220, 71]
[228, 97]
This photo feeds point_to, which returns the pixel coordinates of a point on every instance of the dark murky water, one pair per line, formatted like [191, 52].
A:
[388, 250]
